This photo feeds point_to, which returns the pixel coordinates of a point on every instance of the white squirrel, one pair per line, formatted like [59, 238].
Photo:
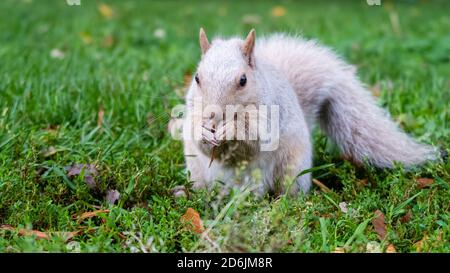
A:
[309, 83]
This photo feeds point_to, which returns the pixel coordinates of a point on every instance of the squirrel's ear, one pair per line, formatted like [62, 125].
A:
[204, 43]
[248, 46]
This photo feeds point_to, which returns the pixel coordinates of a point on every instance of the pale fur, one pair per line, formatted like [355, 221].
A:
[311, 84]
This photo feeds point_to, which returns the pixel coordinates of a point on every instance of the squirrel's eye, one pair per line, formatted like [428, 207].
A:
[243, 80]
[197, 79]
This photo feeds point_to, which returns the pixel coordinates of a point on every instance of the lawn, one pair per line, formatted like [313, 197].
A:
[85, 99]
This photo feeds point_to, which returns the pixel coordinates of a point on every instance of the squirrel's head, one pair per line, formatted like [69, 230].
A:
[226, 72]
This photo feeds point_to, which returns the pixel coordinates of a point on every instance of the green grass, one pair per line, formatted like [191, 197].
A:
[49, 102]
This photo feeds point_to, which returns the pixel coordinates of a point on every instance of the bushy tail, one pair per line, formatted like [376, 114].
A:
[365, 133]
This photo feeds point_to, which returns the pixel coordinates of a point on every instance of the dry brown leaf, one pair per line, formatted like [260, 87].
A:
[339, 250]
[391, 249]
[193, 221]
[112, 196]
[106, 11]
[424, 182]
[90, 172]
[91, 214]
[278, 11]
[407, 217]
[26, 232]
[321, 185]
[67, 235]
[379, 224]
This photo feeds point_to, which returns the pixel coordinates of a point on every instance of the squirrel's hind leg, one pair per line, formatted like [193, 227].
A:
[293, 157]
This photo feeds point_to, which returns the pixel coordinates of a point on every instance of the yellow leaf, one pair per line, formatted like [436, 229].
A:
[106, 11]
[278, 11]
[86, 38]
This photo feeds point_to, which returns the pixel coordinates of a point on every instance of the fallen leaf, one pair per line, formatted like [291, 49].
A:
[86, 38]
[343, 207]
[424, 182]
[193, 221]
[179, 191]
[91, 214]
[89, 173]
[66, 235]
[49, 151]
[407, 217]
[373, 247]
[391, 249]
[100, 115]
[112, 196]
[26, 232]
[321, 185]
[106, 11]
[278, 11]
[379, 224]
[339, 250]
